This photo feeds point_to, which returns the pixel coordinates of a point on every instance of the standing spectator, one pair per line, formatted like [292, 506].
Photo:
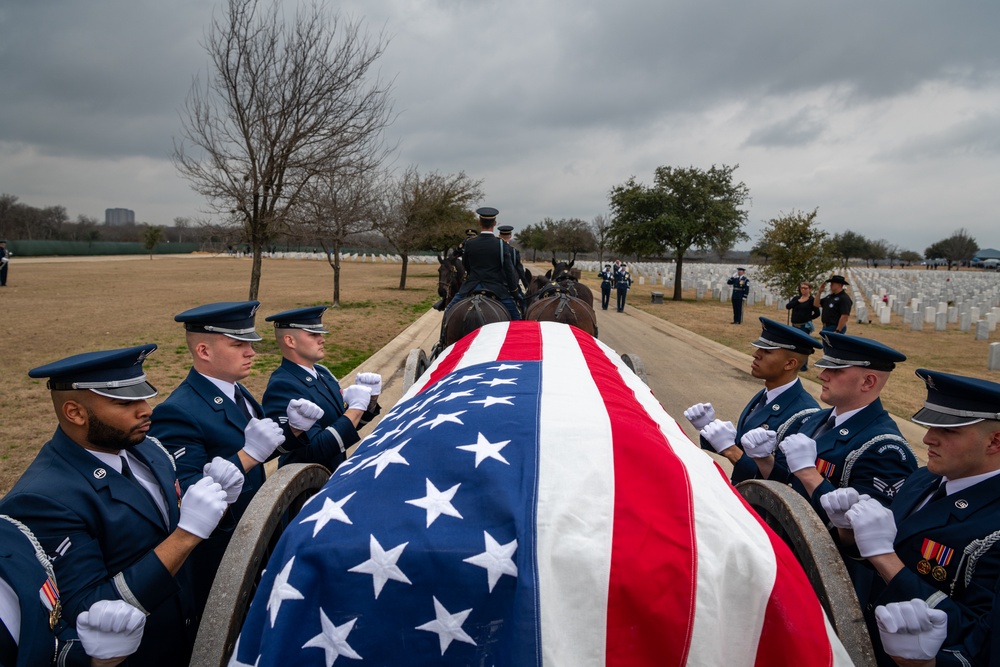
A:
[836, 306]
[607, 277]
[741, 289]
[622, 282]
[804, 309]
[4, 263]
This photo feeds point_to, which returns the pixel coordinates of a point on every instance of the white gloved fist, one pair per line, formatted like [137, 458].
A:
[302, 414]
[202, 507]
[373, 380]
[227, 475]
[759, 443]
[110, 629]
[911, 630]
[721, 435]
[837, 502]
[700, 414]
[262, 437]
[874, 528]
[357, 397]
[800, 451]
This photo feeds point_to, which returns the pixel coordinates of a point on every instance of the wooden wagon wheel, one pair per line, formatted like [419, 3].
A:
[278, 500]
[416, 364]
[634, 362]
[796, 522]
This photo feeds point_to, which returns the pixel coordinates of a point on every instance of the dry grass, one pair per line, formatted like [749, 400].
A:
[950, 351]
[54, 309]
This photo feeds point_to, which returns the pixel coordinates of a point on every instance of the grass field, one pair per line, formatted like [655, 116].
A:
[54, 309]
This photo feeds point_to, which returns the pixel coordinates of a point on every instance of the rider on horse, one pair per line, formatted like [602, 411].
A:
[505, 232]
[489, 265]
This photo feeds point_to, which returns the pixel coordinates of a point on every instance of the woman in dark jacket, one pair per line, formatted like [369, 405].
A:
[804, 309]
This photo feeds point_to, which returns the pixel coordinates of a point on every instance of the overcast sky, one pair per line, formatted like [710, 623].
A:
[885, 115]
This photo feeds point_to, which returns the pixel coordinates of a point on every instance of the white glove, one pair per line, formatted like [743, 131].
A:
[110, 629]
[357, 397]
[700, 414]
[721, 435]
[227, 475]
[202, 507]
[800, 451]
[302, 414]
[373, 380]
[874, 528]
[736, 274]
[837, 502]
[759, 443]
[262, 437]
[911, 630]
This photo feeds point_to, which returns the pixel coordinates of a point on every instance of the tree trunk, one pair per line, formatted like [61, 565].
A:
[677, 276]
[333, 259]
[402, 273]
[255, 271]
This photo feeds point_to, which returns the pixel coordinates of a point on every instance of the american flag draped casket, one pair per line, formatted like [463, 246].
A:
[529, 502]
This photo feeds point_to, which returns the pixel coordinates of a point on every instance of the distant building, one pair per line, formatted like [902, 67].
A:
[119, 217]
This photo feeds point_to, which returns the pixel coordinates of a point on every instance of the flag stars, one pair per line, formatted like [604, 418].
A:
[494, 400]
[496, 560]
[498, 381]
[505, 367]
[445, 418]
[387, 458]
[382, 565]
[447, 626]
[466, 378]
[484, 449]
[331, 511]
[455, 394]
[333, 639]
[437, 502]
[281, 590]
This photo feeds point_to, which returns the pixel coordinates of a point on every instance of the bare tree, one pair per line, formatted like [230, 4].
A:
[285, 103]
[600, 226]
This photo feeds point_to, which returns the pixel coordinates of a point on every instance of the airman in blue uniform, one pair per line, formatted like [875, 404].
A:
[940, 540]
[211, 414]
[103, 501]
[855, 443]
[779, 353]
[607, 277]
[301, 339]
[623, 280]
[741, 289]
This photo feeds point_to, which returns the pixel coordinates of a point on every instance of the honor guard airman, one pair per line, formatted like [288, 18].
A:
[103, 501]
[778, 354]
[939, 542]
[4, 263]
[607, 277]
[741, 290]
[211, 414]
[302, 340]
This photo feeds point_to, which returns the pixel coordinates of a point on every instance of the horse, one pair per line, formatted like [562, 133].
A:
[561, 307]
[451, 273]
[468, 314]
[561, 273]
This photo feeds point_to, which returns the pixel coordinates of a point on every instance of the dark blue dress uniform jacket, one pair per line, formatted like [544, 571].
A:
[330, 437]
[866, 452]
[36, 644]
[197, 423]
[489, 264]
[789, 408]
[100, 529]
[967, 522]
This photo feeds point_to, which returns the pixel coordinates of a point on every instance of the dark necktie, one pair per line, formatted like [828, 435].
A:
[939, 493]
[828, 425]
[761, 402]
[241, 403]
[127, 471]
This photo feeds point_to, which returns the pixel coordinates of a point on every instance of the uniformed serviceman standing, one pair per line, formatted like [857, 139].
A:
[607, 277]
[741, 289]
[939, 542]
[779, 353]
[489, 265]
[623, 280]
[4, 263]
[506, 232]
[104, 502]
[835, 307]
[31, 612]
[302, 341]
[211, 415]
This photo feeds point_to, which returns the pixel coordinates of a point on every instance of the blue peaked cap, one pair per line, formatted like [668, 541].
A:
[229, 318]
[306, 319]
[112, 373]
[956, 400]
[843, 351]
[777, 336]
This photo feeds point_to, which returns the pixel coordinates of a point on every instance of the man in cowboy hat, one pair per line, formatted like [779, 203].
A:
[836, 306]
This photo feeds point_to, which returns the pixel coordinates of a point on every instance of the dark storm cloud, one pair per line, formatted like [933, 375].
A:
[797, 130]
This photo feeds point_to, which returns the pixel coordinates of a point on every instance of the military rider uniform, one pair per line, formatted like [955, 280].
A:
[489, 266]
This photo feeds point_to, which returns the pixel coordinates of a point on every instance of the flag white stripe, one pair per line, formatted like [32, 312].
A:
[575, 507]
[489, 339]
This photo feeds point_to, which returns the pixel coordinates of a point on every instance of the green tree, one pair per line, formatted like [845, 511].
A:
[798, 250]
[684, 208]
[151, 237]
[958, 248]
[849, 245]
[534, 238]
[874, 251]
[571, 236]
[909, 257]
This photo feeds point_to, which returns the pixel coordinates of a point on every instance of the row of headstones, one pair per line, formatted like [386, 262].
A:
[370, 258]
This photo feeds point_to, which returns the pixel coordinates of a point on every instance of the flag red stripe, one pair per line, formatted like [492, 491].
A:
[525, 346]
[653, 575]
[449, 363]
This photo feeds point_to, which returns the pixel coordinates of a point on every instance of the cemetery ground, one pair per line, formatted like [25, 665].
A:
[52, 309]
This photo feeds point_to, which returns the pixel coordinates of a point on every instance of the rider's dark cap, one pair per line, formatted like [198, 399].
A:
[471, 233]
[505, 229]
[229, 318]
[778, 336]
[843, 351]
[487, 213]
[113, 373]
[303, 319]
[956, 400]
